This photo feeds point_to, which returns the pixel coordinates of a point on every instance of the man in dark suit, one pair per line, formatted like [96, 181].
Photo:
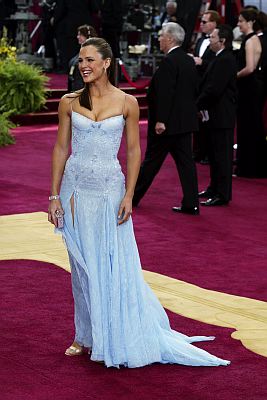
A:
[218, 96]
[203, 55]
[172, 119]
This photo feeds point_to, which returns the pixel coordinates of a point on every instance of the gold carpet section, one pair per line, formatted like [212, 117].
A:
[30, 236]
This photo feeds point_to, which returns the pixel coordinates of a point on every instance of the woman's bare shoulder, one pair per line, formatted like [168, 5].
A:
[68, 98]
[130, 99]
[131, 107]
[254, 40]
[125, 96]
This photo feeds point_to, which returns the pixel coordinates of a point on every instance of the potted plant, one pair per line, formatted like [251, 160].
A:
[22, 87]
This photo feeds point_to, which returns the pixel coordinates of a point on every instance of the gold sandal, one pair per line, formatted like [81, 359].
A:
[74, 351]
[77, 351]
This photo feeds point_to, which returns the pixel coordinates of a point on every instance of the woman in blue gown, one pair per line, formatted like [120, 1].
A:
[118, 319]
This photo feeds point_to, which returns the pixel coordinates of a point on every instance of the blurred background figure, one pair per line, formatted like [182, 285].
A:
[187, 14]
[155, 19]
[68, 15]
[170, 14]
[75, 81]
[251, 142]
[48, 32]
[137, 17]
[7, 7]
[112, 20]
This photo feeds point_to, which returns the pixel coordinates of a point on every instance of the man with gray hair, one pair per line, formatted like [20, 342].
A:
[172, 119]
[170, 15]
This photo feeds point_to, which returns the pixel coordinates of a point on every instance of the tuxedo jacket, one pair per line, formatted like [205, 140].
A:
[172, 94]
[218, 92]
[207, 56]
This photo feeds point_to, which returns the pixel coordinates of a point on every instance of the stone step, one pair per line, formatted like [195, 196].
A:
[55, 93]
[58, 93]
[48, 115]
[52, 103]
[36, 118]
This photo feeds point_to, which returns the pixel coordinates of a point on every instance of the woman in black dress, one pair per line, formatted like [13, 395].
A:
[251, 153]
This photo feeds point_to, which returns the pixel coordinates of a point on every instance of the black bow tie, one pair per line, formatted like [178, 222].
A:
[207, 36]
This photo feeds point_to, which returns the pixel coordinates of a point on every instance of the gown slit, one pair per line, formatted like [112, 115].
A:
[72, 209]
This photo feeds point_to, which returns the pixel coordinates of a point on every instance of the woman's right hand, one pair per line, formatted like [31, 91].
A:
[54, 206]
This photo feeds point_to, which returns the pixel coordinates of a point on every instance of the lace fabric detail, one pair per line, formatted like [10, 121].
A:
[93, 163]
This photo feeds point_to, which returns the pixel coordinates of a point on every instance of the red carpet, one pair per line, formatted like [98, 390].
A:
[34, 365]
[57, 81]
[223, 249]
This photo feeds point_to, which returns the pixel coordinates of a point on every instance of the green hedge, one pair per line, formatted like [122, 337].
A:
[22, 87]
[5, 125]
[22, 90]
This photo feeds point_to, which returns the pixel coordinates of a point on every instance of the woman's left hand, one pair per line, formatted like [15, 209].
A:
[125, 210]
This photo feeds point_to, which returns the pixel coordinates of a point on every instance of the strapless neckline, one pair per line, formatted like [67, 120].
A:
[96, 122]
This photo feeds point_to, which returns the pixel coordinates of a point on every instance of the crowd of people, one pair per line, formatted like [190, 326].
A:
[229, 92]
[71, 23]
[245, 99]
[250, 94]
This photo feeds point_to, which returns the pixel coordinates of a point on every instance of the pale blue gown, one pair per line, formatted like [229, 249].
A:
[116, 313]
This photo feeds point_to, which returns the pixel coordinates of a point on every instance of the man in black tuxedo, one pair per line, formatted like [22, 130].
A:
[218, 96]
[172, 119]
[203, 55]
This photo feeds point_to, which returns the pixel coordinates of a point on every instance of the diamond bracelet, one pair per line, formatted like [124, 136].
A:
[54, 197]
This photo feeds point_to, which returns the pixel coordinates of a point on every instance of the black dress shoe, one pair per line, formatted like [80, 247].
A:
[214, 201]
[206, 194]
[186, 210]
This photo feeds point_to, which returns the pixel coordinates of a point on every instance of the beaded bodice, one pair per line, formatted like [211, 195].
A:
[95, 144]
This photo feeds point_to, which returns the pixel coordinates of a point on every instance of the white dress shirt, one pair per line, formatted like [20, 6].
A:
[204, 45]
[172, 48]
